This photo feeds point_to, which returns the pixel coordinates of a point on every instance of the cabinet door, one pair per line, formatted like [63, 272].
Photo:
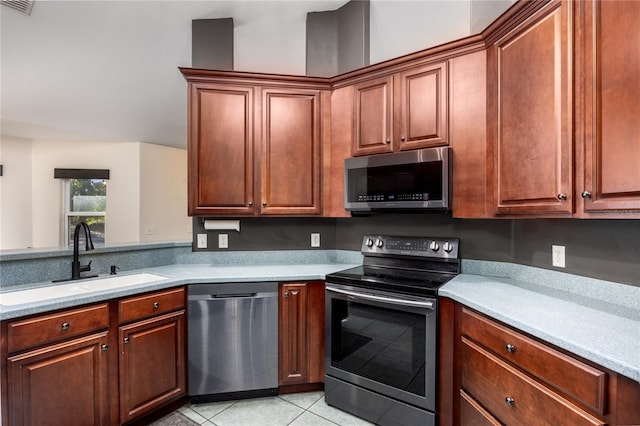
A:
[293, 336]
[533, 141]
[62, 384]
[612, 120]
[221, 176]
[373, 116]
[291, 152]
[152, 364]
[423, 107]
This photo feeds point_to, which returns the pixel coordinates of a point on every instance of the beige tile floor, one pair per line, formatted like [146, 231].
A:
[299, 409]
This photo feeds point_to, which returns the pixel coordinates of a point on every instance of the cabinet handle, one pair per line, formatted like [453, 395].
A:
[286, 294]
[402, 138]
[125, 340]
[586, 194]
[156, 305]
[104, 348]
[264, 204]
[561, 197]
[250, 203]
[510, 348]
[65, 326]
[510, 401]
[388, 141]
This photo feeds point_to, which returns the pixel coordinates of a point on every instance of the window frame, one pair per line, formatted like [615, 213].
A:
[67, 213]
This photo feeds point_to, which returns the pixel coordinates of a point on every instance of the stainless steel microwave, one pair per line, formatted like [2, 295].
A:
[409, 180]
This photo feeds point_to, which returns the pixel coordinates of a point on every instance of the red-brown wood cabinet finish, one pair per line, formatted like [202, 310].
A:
[64, 383]
[291, 149]
[493, 374]
[608, 179]
[406, 110]
[301, 333]
[530, 105]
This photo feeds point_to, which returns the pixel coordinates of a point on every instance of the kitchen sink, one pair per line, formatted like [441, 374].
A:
[77, 288]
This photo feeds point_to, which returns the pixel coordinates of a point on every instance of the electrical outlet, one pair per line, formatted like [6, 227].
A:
[223, 240]
[202, 241]
[150, 230]
[557, 255]
[315, 239]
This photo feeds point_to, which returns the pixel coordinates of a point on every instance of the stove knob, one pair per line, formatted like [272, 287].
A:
[369, 242]
[448, 247]
[434, 246]
[379, 243]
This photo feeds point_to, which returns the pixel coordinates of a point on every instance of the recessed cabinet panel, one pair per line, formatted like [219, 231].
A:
[423, 107]
[612, 89]
[373, 116]
[221, 150]
[63, 384]
[291, 159]
[534, 138]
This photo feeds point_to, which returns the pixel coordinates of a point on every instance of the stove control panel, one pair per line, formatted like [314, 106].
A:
[441, 248]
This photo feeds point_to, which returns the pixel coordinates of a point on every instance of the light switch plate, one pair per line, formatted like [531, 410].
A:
[557, 256]
[202, 241]
[223, 240]
[315, 239]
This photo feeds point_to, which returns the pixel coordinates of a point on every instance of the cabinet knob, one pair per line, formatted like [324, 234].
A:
[586, 194]
[402, 138]
[264, 204]
[104, 348]
[388, 141]
[125, 340]
[65, 326]
[250, 203]
[561, 197]
[510, 348]
[286, 294]
[510, 401]
[156, 305]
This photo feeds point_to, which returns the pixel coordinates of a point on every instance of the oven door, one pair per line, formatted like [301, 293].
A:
[383, 342]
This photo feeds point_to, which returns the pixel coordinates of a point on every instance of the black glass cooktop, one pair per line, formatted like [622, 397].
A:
[403, 281]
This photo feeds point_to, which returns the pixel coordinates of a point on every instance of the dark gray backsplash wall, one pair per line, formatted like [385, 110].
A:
[604, 249]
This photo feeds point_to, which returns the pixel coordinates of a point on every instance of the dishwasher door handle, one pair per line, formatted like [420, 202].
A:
[230, 296]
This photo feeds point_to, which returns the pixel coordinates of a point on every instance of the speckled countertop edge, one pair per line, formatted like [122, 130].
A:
[603, 332]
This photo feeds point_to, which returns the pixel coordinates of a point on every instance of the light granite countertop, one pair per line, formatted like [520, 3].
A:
[594, 319]
[597, 320]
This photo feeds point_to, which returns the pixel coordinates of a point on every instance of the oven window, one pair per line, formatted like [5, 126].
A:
[381, 344]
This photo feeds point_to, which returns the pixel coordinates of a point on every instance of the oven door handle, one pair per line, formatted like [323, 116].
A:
[403, 302]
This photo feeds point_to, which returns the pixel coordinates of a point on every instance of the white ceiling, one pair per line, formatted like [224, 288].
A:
[107, 70]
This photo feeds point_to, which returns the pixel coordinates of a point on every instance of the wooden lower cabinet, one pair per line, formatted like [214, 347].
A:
[67, 367]
[151, 364]
[60, 384]
[301, 333]
[492, 374]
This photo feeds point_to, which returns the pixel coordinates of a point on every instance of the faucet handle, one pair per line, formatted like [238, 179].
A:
[87, 267]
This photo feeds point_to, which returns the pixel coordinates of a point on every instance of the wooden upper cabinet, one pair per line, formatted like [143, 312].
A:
[373, 117]
[406, 110]
[530, 111]
[221, 139]
[611, 147]
[423, 107]
[291, 141]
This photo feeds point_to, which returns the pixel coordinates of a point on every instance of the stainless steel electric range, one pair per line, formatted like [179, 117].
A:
[382, 329]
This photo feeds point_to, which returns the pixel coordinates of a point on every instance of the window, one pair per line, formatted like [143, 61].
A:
[85, 200]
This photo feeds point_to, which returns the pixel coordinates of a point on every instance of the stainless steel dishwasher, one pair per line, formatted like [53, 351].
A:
[233, 340]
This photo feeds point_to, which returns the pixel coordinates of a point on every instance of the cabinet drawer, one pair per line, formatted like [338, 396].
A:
[581, 382]
[512, 396]
[150, 304]
[472, 413]
[44, 329]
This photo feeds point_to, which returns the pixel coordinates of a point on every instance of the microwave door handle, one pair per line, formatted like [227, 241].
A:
[415, 303]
